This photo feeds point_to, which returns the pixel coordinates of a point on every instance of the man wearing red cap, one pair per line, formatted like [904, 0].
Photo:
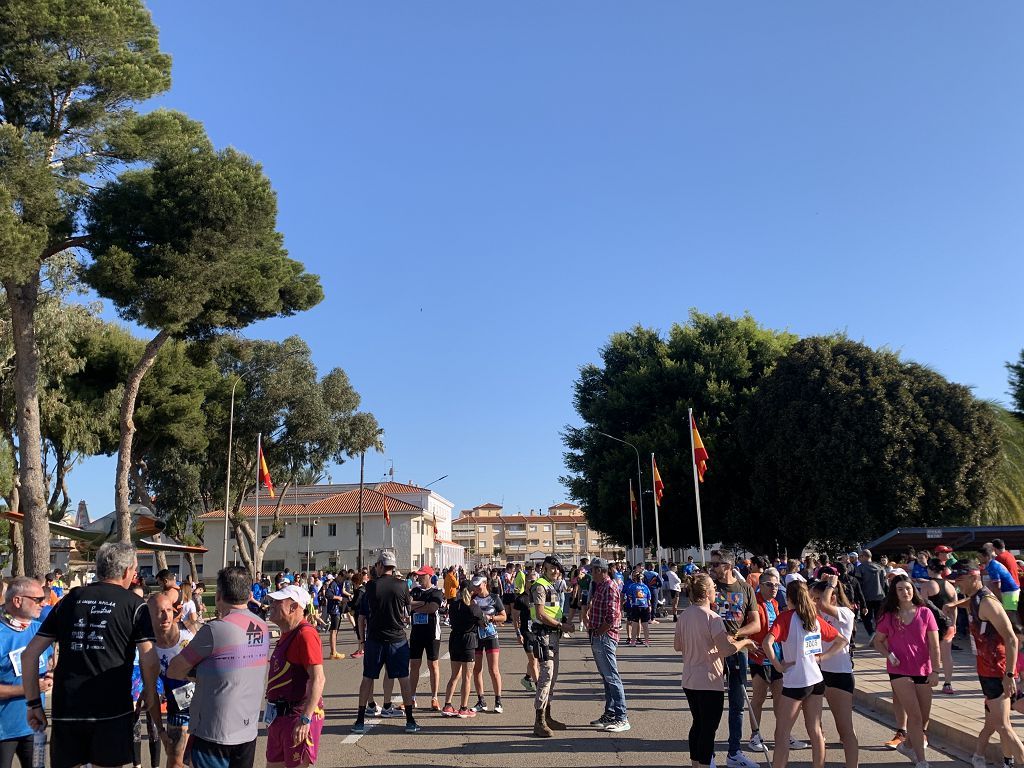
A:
[425, 636]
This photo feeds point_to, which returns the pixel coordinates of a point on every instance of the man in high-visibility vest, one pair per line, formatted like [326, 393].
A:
[547, 625]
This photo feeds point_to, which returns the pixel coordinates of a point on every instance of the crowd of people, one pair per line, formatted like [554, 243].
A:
[115, 654]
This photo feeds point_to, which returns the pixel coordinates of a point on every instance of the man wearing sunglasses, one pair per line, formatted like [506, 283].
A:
[18, 625]
[736, 603]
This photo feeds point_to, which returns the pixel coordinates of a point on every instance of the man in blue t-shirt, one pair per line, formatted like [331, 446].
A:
[639, 598]
[259, 594]
[999, 579]
[20, 622]
[690, 568]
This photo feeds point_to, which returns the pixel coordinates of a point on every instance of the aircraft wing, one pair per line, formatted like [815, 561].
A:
[60, 529]
[168, 546]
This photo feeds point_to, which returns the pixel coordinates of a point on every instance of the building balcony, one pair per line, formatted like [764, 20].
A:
[511, 532]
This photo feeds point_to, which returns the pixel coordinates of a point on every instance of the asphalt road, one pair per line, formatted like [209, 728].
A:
[657, 712]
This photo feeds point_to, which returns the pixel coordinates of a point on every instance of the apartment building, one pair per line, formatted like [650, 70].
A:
[488, 535]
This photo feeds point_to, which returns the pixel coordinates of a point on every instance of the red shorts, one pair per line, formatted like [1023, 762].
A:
[280, 746]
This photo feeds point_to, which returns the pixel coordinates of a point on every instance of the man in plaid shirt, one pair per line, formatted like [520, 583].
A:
[603, 620]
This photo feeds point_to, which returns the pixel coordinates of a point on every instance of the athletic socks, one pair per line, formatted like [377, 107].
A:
[360, 714]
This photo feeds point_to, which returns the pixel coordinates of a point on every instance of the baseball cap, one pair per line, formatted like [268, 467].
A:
[479, 579]
[898, 572]
[552, 560]
[794, 577]
[426, 570]
[298, 594]
[599, 562]
[943, 548]
[387, 559]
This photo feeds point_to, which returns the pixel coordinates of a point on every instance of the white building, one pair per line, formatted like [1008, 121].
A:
[320, 528]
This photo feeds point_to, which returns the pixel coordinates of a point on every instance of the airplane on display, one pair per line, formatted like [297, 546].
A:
[90, 536]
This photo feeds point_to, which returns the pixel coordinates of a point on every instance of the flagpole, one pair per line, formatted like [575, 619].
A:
[657, 527]
[259, 455]
[696, 488]
[632, 515]
[639, 490]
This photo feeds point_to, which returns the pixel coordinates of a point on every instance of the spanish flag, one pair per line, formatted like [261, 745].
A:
[659, 486]
[264, 472]
[700, 453]
[632, 500]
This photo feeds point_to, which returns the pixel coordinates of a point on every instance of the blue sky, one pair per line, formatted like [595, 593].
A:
[488, 191]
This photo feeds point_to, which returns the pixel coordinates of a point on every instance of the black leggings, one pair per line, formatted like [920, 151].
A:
[22, 747]
[706, 713]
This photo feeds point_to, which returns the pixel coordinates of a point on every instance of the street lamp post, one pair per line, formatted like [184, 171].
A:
[227, 485]
[640, 496]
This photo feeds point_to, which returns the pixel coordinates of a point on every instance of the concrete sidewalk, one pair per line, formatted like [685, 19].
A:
[955, 720]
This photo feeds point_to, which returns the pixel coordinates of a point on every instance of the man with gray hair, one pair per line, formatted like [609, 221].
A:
[23, 602]
[98, 629]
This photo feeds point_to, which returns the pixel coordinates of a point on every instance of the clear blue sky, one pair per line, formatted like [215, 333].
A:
[489, 190]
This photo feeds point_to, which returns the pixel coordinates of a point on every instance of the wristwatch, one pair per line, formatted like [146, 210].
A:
[305, 719]
[1010, 675]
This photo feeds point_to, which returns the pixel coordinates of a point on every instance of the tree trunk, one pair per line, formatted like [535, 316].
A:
[191, 560]
[17, 550]
[23, 299]
[122, 500]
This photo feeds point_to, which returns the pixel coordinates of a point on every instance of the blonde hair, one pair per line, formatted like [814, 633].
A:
[465, 594]
[701, 588]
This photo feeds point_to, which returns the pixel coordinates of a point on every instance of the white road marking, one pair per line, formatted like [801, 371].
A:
[352, 738]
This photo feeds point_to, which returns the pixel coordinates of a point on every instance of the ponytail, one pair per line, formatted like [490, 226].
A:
[799, 599]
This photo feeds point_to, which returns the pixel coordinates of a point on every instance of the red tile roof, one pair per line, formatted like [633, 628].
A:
[489, 506]
[339, 504]
[392, 487]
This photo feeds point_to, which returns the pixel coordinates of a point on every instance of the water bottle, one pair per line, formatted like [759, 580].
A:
[39, 749]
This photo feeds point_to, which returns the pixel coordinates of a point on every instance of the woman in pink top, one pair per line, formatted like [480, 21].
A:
[908, 637]
[702, 640]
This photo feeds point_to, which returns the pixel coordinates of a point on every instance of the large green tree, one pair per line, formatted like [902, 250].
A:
[70, 73]
[1016, 371]
[640, 393]
[848, 442]
[188, 248]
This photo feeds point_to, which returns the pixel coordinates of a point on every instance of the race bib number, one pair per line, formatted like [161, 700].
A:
[487, 632]
[812, 644]
[420, 618]
[183, 695]
[269, 714]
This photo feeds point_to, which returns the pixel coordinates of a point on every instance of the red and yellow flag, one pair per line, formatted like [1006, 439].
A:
[632, 501]
[265, 473]
[700, 453]
[659, 486]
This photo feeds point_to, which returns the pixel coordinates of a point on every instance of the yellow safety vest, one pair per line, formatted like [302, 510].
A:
[552, 604]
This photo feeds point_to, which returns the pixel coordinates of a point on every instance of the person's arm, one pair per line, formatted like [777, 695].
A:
[199, 648]
[499, 616]
[933, 653]
[35, 716]
[149, 665]
[880, 643]
[825, 606]
[768, 648]
[752, 625]
[993, 612]
[831, 635]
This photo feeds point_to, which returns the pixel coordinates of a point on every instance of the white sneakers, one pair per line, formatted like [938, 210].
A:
[739, 760]
[978, 761]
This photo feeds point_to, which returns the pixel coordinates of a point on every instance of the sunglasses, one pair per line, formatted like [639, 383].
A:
[38, 600]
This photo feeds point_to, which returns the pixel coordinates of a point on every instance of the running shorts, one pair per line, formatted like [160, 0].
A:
[418, 645]
[642, 615]
[992, 687]
[393, 656]
[766, 672]
[280, 748]
[102, 742]
[461, 648]
[918, 679]
[841, 680]
[201, 753]
[487, 645]
[1009, 600]
[334, 620]
[802, 693]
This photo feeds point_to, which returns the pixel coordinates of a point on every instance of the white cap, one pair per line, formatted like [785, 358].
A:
[794, 577]
[898, 572]
[298, 594]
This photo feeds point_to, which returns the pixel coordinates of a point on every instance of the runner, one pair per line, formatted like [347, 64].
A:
[229, 655]
[358, 589]
[466, 618]
[491, 606]
[171, 638]
[425, 635]
[295, 705]
[673, 586]
[999, 579]
[604, 617]
[802, 634]
[837, 670]
[521, 609]
[547, 624]
[703, 640]
[908, 637]
[640, 607]
[736, 604]
[942, 594]
[334, 599]
[387, 604]
[23, 601]
[997, 651]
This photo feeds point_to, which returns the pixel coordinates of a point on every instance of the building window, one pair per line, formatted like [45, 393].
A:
[483, 544]
[533, 529]
[231, 533]
[332, 529]
[547, 527]
[482, 528]
[273, 566]
[307, 530]
[264, 531]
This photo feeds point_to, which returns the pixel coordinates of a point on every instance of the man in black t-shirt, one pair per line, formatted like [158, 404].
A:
[521, 607]
[97, 629]
[425, 636]
[387, 604]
